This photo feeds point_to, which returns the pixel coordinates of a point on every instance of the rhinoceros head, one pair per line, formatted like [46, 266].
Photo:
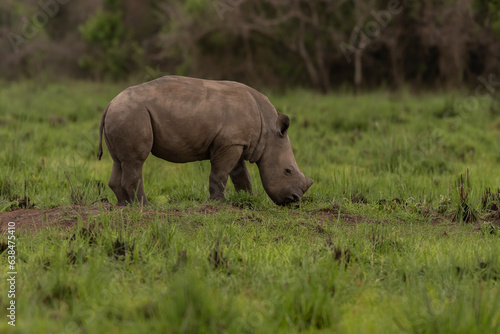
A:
[281, 177]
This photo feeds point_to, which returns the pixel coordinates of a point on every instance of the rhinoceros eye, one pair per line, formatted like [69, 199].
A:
[288, 171]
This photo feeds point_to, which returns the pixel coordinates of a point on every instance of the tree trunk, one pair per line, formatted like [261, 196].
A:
[358, 70]
[306, 58]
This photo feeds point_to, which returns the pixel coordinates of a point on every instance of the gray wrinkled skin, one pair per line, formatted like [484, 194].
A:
[181, 119]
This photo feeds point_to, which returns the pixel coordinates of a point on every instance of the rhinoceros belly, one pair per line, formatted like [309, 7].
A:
[181, 136]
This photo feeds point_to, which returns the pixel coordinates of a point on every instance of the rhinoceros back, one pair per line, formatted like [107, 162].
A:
[191, 117]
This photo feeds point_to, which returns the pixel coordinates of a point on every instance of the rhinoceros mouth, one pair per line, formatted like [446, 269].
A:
[290, 199]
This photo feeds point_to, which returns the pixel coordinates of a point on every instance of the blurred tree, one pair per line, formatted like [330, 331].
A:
[366, 29]
[112, 53]
[309, 30]
[320, 44]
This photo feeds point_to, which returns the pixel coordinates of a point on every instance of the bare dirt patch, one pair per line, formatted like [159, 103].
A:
[65, 217]
[208, 209]
[36, 219]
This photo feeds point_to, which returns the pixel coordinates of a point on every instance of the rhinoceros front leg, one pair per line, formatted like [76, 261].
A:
[223, 161]
[240, 177]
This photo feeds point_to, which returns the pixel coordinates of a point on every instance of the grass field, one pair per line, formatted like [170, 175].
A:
[393, 237]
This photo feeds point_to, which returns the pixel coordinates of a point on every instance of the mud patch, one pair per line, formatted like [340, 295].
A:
[36, 219]
[66, 217]
[208, 209]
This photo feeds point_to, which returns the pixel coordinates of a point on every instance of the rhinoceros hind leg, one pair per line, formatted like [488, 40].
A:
[223, 162]
[115, 183]
[132, 182]
[240, 177]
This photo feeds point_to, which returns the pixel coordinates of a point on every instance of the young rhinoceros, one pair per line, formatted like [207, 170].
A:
[181, 119]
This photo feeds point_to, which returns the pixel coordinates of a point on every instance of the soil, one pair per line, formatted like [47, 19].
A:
[63, 217]
[67, 217]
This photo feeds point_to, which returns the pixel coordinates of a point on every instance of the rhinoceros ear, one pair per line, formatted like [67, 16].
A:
[283, 123]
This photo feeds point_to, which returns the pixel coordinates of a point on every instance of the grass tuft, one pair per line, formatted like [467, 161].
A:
[465, 211]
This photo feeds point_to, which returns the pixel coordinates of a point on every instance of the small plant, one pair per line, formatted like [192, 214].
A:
[120, 248]
[77, 256]
[162, 235]
[359, 198]
[6, 187]
[88, 233]
[217, 258]
[76, 193]
[181, 260]
[465, 212]
[491, 200]
[444, 204]
[243, 200]
[341, 255]
[489, 228]
[23, 203]
[3, 247]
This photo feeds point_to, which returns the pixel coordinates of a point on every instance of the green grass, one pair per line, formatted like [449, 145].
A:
[372, 249]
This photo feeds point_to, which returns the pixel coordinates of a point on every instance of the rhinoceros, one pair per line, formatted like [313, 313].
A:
[181, 119]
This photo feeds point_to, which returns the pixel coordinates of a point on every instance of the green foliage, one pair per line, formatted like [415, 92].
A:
[112, 51]
[490, 11]
[494, 9]
[104, 29]
[196, 6]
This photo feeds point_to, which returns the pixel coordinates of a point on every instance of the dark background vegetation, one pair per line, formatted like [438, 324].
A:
[323, 44]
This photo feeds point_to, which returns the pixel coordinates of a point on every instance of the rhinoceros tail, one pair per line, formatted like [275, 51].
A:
[101, 131]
